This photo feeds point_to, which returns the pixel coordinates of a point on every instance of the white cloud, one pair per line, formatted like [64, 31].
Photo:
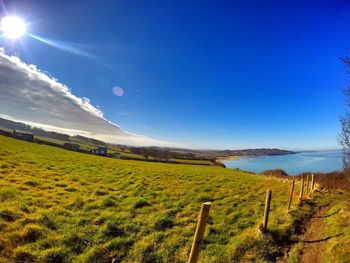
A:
[31, 96]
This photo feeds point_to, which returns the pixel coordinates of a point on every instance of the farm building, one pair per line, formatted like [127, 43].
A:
[23, 136]
[71, 146]
[101, 150]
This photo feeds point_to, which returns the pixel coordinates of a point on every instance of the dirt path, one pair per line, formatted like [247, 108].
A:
[312, 239]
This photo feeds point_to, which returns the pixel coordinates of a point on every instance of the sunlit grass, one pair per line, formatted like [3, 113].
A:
[61, 205]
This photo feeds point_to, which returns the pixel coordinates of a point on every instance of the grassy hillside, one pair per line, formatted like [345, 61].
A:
[59, 206]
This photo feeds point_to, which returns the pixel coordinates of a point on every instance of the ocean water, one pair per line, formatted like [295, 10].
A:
[293, 164]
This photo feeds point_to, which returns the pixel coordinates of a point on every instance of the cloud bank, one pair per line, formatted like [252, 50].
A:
[31, 96]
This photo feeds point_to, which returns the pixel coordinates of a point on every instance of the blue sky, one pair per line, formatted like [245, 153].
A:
[206, 74]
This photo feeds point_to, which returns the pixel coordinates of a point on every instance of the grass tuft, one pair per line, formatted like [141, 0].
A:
[9, 215]
[141, 203]
[163, 223]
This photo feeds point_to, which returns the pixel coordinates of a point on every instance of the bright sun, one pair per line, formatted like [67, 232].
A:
[13, 27]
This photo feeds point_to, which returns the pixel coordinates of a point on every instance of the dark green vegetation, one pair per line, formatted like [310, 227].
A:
[63, 206]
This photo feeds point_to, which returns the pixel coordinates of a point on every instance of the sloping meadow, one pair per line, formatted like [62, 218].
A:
[62, 206]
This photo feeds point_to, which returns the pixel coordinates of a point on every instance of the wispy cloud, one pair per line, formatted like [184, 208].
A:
[31, 96]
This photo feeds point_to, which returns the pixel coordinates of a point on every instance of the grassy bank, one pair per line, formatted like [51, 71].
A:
[326, 235]
[60, 206]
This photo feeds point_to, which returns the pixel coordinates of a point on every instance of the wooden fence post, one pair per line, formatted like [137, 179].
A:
[198, 236]
[307, 184]
[267, 210]
[301, 190]
[291, 195]
[312, 182]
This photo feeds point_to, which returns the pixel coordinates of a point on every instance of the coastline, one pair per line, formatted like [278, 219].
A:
[227, 158]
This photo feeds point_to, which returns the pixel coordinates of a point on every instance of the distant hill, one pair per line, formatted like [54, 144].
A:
[4, 123]
[163, 152]
[244, 152]
[88, 140]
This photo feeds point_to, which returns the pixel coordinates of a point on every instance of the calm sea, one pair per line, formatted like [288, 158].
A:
[322, 161]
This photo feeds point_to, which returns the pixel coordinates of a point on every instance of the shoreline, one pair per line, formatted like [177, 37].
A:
[227, 158]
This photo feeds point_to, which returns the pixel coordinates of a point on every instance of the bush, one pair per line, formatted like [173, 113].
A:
[279, 173]
[334, 180]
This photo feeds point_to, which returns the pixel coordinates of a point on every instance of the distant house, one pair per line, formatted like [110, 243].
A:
[71, 146]
[23, 136]
[101, 150]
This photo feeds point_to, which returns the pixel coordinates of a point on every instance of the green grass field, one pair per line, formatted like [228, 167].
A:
[63, 206]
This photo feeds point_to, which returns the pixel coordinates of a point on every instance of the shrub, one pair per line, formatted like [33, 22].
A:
[334, 180]
[279, 173]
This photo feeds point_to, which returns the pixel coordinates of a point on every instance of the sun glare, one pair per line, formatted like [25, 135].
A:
[13, 27]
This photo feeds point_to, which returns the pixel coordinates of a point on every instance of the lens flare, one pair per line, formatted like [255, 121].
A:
[13, 27]
[118, 91]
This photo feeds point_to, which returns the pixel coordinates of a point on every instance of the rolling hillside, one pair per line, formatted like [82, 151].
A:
[62, 206]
